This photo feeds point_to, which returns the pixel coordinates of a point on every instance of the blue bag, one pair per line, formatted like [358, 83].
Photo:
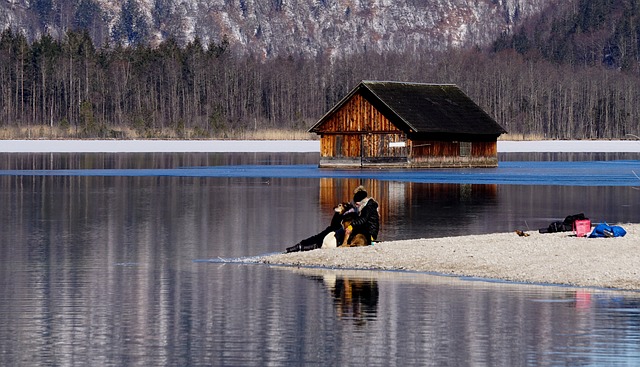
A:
[605, 230]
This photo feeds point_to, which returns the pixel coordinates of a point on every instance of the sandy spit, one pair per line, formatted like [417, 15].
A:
[553, 258]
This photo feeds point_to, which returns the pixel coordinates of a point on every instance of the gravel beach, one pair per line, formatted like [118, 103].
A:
[553, 258]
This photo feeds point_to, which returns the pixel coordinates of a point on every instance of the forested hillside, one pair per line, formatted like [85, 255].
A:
[588, 55]
[271, 28]
[554, 78]
[587, 32]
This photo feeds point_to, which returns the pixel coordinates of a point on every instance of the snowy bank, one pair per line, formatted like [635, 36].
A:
[293, 146]
[577, 146]
[149, 146]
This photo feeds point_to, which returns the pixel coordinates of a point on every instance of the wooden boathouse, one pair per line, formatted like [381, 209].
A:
[397, 124]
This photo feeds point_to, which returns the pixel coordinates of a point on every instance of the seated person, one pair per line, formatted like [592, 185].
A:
[368, 220]
[315, 241]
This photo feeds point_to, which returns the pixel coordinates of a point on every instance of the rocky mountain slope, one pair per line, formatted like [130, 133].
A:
[269, 28]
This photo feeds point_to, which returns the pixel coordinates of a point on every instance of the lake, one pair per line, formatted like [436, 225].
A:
[136, 259]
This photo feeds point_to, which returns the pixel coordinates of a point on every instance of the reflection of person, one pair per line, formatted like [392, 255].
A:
[315, 241]
[368, 221]
[356, 298]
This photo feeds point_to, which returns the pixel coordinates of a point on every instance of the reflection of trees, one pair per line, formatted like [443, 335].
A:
[159, 160]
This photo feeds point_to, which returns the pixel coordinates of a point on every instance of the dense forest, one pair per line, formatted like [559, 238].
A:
[571, 73]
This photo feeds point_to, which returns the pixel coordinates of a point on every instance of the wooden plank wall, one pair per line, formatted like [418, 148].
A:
[377, 145]
[371, 145]
[340, 145]
[358, 115]
[484, 149]
[423, 148]
[341, 133]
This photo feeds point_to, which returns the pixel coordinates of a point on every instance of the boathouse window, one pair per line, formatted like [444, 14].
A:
[465, 148]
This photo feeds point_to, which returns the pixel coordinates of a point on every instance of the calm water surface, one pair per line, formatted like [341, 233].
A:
[116, 271]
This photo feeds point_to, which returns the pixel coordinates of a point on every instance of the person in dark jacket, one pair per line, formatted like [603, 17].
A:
[315, 241]
[368, 220]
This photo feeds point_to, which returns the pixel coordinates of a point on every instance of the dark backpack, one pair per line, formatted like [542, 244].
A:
[554, 227]
[569, 220]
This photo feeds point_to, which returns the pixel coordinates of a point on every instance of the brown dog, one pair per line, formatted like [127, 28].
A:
[355, 239]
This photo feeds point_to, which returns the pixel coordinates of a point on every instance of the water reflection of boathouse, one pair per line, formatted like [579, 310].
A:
[399, 199]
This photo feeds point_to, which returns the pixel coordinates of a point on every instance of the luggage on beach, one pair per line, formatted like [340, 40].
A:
[563, 226]
[553, 228]
[605, 230]
[582, 227]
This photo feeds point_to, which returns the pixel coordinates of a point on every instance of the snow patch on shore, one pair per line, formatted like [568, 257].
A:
[577, 146]
[153, 146]
[275, 146]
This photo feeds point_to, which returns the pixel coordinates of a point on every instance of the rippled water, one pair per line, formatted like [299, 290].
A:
[115, 270]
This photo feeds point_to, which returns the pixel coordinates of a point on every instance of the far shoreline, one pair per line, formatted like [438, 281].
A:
[283, 146]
